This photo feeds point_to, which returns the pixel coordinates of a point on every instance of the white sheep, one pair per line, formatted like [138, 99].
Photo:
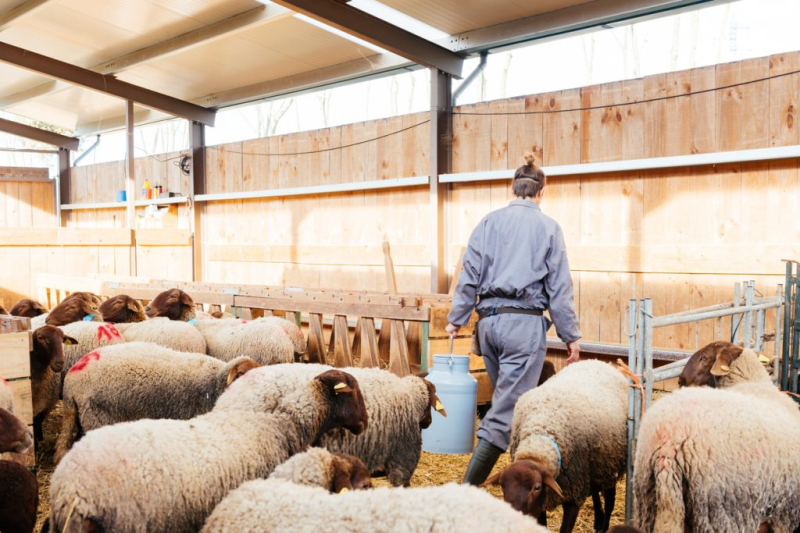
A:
[568, 435]
[279, 505]
[168, 475]
[719, 460]
[175, 334]
[265, 342]
[398, 408]
[317, 467]
[89, 336]
[136, 380]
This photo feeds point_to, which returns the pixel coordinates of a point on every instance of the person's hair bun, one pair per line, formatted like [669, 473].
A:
[530, 159]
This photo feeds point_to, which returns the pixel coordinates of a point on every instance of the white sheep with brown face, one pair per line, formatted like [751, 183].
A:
[136, 380]
[173, 304]
[719, 459]
[399, 409]
[317, 467]
[280, 505]
[264, 341]
[168, 475]
[568, 442]
[14, 434]
[173, 334]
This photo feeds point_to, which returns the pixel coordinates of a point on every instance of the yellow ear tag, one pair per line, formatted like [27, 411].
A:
[439, 405]
[68, 342]
[339, 386]
[726, 368]
[344, 489]
[763, 358]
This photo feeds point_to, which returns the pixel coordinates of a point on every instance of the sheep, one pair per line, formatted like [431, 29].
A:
[279, 505]
[398, 408]
[47, 362]
[168, 475]
[717, 460]
[265, 342]
[317, 467]
[173, 304]
[73, 310]
[292, 331]
[3, 310]
[122, 308]
[88, 336]
[174, 334]
[88, 297]
[138, 380]
[19, 498]
[14, 434]
[28, 308]
[568, 436]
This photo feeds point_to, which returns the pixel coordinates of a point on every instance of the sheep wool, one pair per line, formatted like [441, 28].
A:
[317, 467]
[39, 321]
[90, 336]
[291, 329]
[583, 409]
[174, 334]
[168, 475]
[279, 505]
[717, 461]
[264, 342]
[136, 380]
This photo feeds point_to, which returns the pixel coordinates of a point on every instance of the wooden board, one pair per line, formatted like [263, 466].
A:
[15, 355]
[23, 399]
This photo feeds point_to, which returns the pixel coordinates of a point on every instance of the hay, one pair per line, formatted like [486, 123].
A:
[44, 463]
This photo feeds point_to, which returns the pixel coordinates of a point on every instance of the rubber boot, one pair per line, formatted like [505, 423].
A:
[481, 463]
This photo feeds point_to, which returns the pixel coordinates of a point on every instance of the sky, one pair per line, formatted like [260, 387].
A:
[722, 33]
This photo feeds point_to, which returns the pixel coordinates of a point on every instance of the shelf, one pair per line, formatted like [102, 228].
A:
[122, 205]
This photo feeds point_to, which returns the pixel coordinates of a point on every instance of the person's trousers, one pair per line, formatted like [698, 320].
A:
[513, 348]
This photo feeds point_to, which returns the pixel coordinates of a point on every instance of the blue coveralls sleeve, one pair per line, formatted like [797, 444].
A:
[558, 284]
[466, 296]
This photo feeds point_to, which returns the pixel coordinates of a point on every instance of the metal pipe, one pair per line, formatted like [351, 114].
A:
[787, 323]
[796, 332]
[747, 333]
[472, 75]
[87, 152]
[661, 321]
[631, 409]
[778, 337]
[663, 375]
[639, 364]
[736, 321]
[760, 319]
[648, 351]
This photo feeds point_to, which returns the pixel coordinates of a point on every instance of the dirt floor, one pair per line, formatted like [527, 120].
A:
[433, 469]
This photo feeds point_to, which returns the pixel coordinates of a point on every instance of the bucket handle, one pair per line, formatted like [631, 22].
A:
[450, 360]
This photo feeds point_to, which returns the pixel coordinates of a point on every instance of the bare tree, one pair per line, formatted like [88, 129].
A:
[324, 99]
[504, 75]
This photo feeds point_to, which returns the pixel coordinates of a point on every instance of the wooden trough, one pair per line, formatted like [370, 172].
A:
[15, 368]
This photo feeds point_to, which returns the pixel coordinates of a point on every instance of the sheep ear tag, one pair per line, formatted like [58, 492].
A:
[720, 369]
[69, 341]
[344, 490]
[764, 359]
[340, 388]
[440, 408]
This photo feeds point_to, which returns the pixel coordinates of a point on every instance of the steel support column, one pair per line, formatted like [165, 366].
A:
[130, 180]
[196, 187]
[440, 161]
[64, 179]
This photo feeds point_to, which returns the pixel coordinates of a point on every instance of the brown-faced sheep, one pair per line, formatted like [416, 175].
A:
[19, 498]
[73, 310]
[28, 308]
[122, 308]
[168, 475]
[14, 434]
[47, 362]
[173, 304]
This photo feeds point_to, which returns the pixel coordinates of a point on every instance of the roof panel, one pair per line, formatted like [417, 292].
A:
[456, 16]
[69, 107]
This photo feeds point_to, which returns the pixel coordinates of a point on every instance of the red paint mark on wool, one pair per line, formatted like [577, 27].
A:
[84, 361]
[4, 382]
[108, 331]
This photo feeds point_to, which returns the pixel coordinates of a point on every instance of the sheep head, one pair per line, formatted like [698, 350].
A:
[173, 304]
[48, 347]
[349, 473]
[122, 308]
[707, 364]
[433, 403]
[69, 311]
[347, 408]
[28, 308]
[524, 483]
[14, 434]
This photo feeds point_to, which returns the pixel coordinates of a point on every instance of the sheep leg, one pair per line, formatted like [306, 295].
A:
[571, 510]
[38, 421]
[542, 519]
[609, 499]
[599, 516]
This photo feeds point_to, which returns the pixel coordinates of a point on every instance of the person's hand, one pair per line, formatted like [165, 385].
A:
[452, 330]
[573, 352]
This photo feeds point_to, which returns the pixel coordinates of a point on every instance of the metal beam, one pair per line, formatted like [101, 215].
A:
[569, 19]
[379, 32]
[114, 123]
[197, 186]
[36, 134]
[440, 160]
[21, 11]
[130, 170]
[104, 83]
[64, 183]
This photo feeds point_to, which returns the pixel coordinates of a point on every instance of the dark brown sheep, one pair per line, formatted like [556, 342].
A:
[28, 308]
[14, 434]
[548, 371]
[122, 308]
[625, 529]
[3, 310]
[706, 364]
[19, 498]
[173, 304]
[47, 362]
[349, 473]
[88, 297]
[72, 310]
[436, 405]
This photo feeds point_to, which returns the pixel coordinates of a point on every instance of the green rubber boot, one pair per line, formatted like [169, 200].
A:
[483, 460]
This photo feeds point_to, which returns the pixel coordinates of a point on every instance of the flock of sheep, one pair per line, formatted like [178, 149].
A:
[174, 420]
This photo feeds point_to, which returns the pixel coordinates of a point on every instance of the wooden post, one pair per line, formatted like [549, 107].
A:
[316, 342]
[130, 180]
[340, 341]
[388, 265]
[457, 272]
[369, 345]
[393, 332]
[440, 161]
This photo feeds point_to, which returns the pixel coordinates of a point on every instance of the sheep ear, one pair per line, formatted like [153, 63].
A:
[240, 369]
[494, 480]
[186, 299]
[550, 481]
[341, 388]
[133, 305]
[725, 356]
[69, 341]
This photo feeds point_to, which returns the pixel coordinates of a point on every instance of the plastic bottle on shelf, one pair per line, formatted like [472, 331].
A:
[147, 191]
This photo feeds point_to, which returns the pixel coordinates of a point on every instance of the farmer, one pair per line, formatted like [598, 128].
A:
[515, 267]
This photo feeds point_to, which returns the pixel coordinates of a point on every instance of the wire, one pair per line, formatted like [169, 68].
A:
[309, 152]
[646, 101]
[148, 154]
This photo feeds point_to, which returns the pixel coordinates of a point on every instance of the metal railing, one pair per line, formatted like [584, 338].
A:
[748, 314]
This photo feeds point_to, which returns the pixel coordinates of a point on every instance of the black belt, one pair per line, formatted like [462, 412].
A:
[508, 310]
